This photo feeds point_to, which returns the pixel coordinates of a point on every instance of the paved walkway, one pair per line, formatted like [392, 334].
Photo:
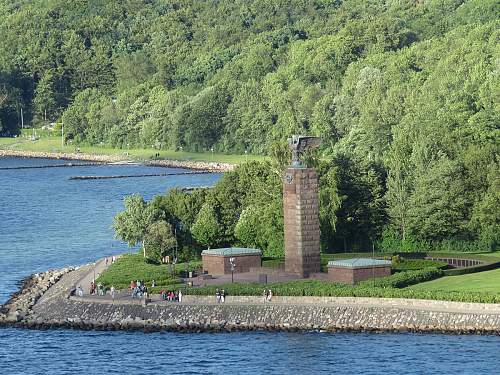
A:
[99, 267]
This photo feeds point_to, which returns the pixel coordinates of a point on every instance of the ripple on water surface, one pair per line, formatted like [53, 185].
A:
[72, 352]
[48, 221]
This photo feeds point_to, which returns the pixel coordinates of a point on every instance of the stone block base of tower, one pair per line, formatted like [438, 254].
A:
[301, 219]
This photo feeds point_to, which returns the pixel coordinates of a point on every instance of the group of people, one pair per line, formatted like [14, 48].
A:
[97, 289]
[267, 294]
[171, 296]
[220, 295]
[139, 289]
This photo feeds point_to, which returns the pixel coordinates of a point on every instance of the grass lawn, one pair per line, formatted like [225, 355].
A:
[53, 144]
[487, 281]
[130, 267]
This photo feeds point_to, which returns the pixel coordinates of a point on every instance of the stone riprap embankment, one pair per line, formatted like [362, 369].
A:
[196, 165]
[170, 163]
[19, 307]
[46, 303]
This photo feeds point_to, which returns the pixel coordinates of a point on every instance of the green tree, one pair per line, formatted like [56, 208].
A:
[261, 226]
[329, 203]
[200, 120]
[132, 69]
[485, 218]
[248, 229]
[206, 229]
[76, 119]
[130, 225]
[159, 240]
[45, 103]
[361, 214]
[440, 205]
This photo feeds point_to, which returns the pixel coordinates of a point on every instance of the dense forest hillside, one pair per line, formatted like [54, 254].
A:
[404, 93]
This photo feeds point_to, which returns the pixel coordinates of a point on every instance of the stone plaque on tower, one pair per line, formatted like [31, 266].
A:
[301, 212]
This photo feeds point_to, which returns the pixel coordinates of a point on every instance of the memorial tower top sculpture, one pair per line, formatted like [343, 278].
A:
[299, 144]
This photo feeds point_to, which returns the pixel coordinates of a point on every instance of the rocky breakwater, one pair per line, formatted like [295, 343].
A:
[194, 165]
[45, 301]
[193, 317]
[19, 307]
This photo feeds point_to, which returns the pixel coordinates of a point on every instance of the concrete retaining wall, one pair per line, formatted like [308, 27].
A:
[228, 317]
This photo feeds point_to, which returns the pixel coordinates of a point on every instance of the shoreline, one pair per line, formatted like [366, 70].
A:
[45, 302]
[117, 159]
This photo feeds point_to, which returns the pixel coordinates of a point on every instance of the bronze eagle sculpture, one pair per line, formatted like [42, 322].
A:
[299, 144]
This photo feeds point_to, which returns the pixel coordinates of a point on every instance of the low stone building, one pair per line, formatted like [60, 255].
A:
[218, 261]
[352, 271]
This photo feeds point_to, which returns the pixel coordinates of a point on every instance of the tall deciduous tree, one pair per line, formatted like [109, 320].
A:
[130, 225]
[440, 204]
[206, 229]
[159, 240]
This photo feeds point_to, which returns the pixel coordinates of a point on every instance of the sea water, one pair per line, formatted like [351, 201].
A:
[49, 221]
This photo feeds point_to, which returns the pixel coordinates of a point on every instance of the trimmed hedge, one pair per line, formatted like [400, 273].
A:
[417, 264]
[473, 269]
[404, 279]
[331, 289]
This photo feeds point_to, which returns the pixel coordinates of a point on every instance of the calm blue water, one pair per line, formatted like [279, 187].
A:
[48, 221]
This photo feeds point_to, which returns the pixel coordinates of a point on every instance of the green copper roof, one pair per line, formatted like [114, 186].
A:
[359, 263]
[229, 251]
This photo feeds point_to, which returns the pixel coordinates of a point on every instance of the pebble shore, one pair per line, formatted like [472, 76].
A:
[44, 302]
[170, 163]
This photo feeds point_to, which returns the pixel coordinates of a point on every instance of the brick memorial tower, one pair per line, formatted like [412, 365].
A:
[301, 212]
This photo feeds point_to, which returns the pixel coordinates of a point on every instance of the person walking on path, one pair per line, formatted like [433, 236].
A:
[223, 296]
[269, 295]
[180, 295]
[112, 291]
[264, 295]
[217, 295]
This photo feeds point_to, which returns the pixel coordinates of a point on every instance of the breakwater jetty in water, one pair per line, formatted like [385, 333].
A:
[137, 175]
[122, 159]
[45, 301]
[65, 165]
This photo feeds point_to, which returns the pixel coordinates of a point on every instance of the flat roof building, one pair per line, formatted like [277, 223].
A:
[218, 261]
[352, 271]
